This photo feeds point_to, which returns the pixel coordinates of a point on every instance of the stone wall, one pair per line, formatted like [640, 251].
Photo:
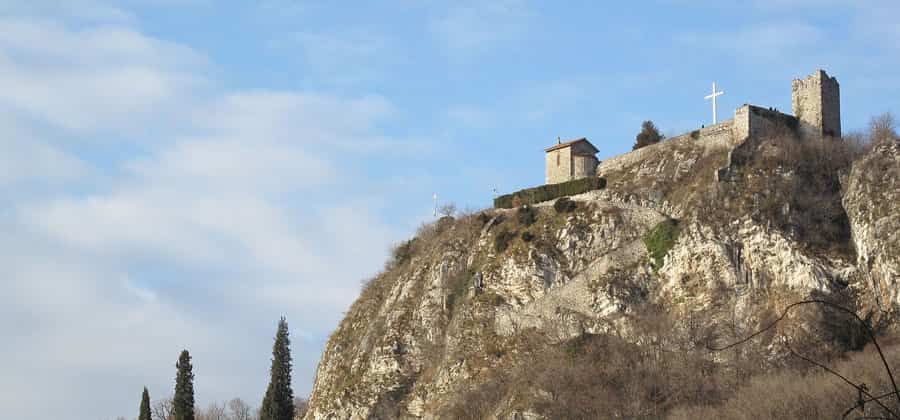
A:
[559, 165]
[816, 101]
[584, 166]
[754, 121]
[708, 137]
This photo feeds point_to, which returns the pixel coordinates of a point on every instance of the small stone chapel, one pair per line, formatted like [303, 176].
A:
[570, 160]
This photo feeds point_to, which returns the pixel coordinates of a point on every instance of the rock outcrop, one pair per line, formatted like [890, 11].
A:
[871, 198]
[470, 298]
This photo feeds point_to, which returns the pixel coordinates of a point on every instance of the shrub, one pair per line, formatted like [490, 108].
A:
[401, 253]
[548, 192]
[502, 240]
[660, 240]
[483, 218]
[527, 236]
[564, 205]
[526, 215]
[649, 135]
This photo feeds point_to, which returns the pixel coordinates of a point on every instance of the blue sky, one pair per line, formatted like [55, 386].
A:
[179, 174]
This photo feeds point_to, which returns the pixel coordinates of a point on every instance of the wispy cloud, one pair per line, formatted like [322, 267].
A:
[472, 27]
[344, 57]
[82, 79]
[204, 230]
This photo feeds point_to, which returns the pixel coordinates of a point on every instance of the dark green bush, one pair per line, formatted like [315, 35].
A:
[502, 240]
[549, 192]
[527, 236]
[660, 240]
[526, 215]
[564, 205]
[401, 253]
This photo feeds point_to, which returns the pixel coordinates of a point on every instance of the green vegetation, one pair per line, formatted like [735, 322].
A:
[660, 240]
[458, 285]
[278, 403]
[526, 216]
[649, 135]
[401, 254]
[145, 405]
[527, 236]
[502, 240]
[183, 402]
[548, 192]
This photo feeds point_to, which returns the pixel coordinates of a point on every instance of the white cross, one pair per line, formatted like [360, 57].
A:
[434, 210]
[713, 96]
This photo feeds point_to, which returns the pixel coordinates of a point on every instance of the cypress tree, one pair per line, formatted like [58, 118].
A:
[145, 406]
[278, 404]
[183, 402]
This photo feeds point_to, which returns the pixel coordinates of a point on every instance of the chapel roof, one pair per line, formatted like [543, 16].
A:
[571, 143]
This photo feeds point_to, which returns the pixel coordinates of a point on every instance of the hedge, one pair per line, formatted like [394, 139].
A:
[548, 192]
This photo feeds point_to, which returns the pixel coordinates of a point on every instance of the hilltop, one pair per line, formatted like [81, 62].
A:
[609, 307]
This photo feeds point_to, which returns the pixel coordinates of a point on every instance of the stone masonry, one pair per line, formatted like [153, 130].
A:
[816, 101]
[571, 160]
[817, 114]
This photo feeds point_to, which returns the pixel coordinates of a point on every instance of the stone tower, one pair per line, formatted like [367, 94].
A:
[816, 102]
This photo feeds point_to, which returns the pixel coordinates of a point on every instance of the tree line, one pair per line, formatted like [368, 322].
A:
[278, 403]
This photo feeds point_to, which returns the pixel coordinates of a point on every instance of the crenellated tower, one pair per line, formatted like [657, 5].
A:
[816, 102]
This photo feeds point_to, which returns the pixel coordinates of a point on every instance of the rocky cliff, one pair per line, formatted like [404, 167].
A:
[466, 316]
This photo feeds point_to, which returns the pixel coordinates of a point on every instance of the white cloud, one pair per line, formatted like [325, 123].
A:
[97, 77]
[197, 238]
[24, 157]
[350, 56]
[80, 10]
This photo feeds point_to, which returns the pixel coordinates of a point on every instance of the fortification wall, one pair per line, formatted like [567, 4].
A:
[714, 136]
[762, 122]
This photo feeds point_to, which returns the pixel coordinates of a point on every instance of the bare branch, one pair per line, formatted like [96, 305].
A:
[787, 309]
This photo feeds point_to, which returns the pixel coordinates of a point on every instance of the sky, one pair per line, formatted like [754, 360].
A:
[180, 174]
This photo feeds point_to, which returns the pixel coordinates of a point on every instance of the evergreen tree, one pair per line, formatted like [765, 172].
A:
[278, 404]
[145, 406]
[648, 135]
[183, 402]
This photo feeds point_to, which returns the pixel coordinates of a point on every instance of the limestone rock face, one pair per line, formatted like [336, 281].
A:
[872, 202]
[459, 305]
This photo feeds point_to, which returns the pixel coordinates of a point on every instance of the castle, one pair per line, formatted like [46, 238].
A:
[815, 102]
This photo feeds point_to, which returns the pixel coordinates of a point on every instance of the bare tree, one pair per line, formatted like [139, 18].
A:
[213, 412]
[239, 410]
[448, 210]
[882, 128]
[162, 409]
[301, 405]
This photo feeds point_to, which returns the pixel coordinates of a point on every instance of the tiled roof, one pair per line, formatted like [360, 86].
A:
[571, 143]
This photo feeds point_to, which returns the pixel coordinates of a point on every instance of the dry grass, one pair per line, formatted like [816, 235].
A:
[816, 394]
